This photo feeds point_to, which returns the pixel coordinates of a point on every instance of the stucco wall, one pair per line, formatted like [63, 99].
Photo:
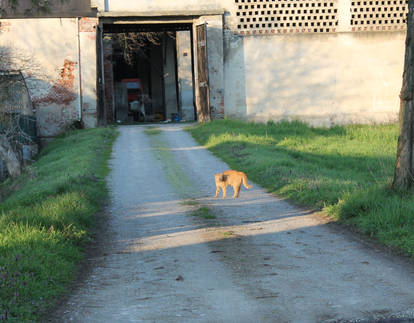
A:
[323, 79]
[46, 50]
[157, 5]
[88, 56]
[340, 76]
[185, 75]
[57, 9]
[49, 61]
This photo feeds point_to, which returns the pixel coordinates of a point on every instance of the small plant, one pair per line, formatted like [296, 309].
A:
[228, 234]
[204, 212]
[190, 202]
[152, 131]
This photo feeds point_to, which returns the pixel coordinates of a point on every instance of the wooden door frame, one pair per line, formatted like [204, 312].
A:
[203, 103]
[156, 18]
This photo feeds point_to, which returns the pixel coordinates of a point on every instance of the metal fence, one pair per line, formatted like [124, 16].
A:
[16, 112]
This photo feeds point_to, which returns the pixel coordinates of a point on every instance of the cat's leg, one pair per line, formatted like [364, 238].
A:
[224, 191]
[238, 190]
[217, 191]
[234, 191]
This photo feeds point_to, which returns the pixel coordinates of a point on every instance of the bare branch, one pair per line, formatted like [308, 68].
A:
[132, 43]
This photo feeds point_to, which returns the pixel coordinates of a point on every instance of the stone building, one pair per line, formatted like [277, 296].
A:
[321, 61]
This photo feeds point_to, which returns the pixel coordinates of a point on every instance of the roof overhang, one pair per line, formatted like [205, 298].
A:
[145, 27]
[158, 14]
[142, 21]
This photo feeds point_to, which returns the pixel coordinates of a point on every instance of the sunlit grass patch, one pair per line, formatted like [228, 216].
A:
[228, 234]
[46, 221]
[345, 171]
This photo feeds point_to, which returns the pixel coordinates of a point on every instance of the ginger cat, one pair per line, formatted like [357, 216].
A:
[231, 178]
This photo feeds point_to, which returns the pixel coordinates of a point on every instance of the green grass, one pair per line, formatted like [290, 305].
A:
[152, 131]
[203, 212]
[46, 217]
[228, 234]
[190, 202]
[345, 171]
[176, 175]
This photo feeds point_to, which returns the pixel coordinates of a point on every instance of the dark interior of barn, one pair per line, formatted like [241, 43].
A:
[148, 73]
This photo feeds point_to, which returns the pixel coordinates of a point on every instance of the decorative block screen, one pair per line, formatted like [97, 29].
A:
[378, 15]
[286, 16]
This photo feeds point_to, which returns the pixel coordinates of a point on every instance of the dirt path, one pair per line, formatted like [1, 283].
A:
[255, 259]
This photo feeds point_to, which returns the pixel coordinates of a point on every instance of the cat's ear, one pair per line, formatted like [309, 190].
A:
[223, 178]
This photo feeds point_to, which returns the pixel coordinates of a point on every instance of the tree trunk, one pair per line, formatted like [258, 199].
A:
[9, 157]
[404, 168]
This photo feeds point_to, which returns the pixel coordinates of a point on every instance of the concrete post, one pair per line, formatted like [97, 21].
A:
[185, 77]
[344, 16]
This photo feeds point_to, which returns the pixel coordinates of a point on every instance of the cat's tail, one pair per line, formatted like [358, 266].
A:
[245, 182]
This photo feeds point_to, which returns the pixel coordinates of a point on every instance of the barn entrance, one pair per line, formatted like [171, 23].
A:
[146, 72]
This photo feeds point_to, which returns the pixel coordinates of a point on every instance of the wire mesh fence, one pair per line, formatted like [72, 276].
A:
[17, 117]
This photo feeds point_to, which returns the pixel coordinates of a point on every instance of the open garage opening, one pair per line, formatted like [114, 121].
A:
[148, 73]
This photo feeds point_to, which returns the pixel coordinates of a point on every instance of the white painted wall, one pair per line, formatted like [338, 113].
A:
[322, 79]
[88, 57]
[163, 5]
[325, 79]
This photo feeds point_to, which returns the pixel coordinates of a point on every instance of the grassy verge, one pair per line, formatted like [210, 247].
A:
[346, 171]
[175, 174]
[46, 221]
[152, 131]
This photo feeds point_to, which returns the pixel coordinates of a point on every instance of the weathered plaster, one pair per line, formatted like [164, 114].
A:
[185, 75]
[162, 5]
[170, 89]
[322, 79]
[46, 50]
[49, 62]
[88, 56]
[215, 62]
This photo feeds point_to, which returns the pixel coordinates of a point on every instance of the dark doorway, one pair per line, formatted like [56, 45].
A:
[146, 75]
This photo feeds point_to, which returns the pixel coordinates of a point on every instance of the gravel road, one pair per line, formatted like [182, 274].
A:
[252, 259]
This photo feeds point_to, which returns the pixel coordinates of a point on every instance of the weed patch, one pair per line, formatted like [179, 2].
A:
[228, 234]
[204, 212]
[190, 202]
[46, 220]
[175, 174]
[345, 171]
[152, 131]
